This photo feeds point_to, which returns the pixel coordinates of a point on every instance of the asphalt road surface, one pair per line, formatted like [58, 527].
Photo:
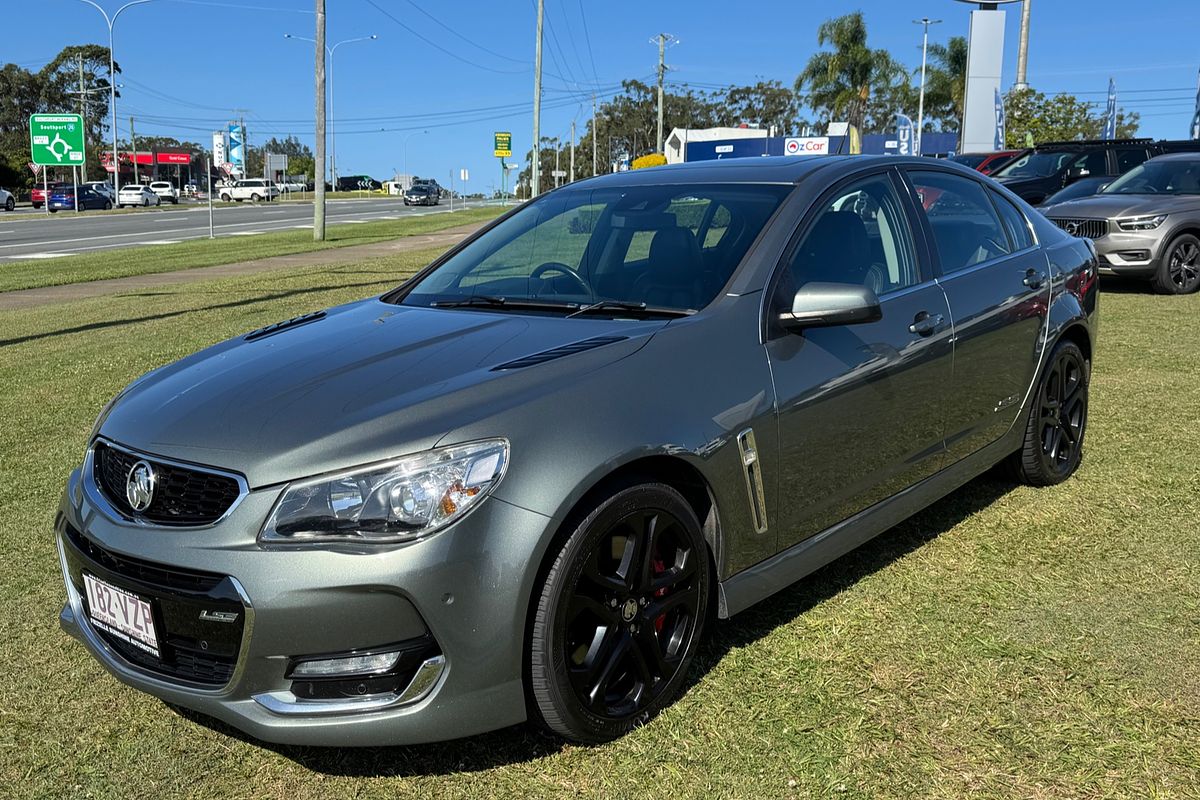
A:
[66, 233]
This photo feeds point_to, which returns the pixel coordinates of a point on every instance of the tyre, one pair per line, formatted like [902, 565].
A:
[107, 206]
[54, 211]
[224, 198]
[1179, 269]
[145, 203]
[10, 204]
[254, 198]
[37, 205]
[1054, 432]
[619, 615]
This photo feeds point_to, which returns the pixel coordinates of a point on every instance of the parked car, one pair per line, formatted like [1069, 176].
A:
[64, 200]
[166, 191]
[37, 195]
[1145, 224]
[103, 187]
[521, 484]
[1084, 187]
[987, 163]
[253, 189]
[136, 194]
[1047, 168]
[7, 201]
[420, 196]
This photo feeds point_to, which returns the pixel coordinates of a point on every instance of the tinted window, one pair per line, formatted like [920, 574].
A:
[644, 244]
[965, 226]
[1129, 157]
[972, 160]
[1159, 176]
[1014, 221]
[861, 236]
[1095, 163]
[1036, 165]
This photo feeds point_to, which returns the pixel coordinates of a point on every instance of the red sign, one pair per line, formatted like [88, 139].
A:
[146, 159]
[174, 158]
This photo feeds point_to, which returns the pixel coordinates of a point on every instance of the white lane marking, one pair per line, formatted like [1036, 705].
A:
[42, 255]
[163, 241]
[246, 233]
[302, 227]
[275, 212]
[353, 221]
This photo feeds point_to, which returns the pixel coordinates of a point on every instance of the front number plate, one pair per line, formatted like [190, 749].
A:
[121, 613]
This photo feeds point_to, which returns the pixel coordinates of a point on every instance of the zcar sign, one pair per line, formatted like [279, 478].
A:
[809, 145]
[56, 139]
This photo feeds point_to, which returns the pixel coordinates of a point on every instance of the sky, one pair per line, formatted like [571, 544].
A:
[442, 76]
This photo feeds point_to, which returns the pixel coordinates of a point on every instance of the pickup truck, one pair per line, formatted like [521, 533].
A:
[253, 189]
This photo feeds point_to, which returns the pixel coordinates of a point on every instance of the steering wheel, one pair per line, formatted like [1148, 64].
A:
[555, 266]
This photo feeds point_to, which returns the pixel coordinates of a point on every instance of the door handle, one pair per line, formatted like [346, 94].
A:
[925, 323]
[1034, 279]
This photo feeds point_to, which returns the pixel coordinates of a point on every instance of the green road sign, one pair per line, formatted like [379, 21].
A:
[503, 144]
[56, 139]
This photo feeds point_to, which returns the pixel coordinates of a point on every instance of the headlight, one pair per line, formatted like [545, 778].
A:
[393, 501]
[1141, 223]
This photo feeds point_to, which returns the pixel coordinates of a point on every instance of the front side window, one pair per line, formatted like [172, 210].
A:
[1036, 165]
[1129, 157]
[670, 247]
[861, 237]
[965, 226]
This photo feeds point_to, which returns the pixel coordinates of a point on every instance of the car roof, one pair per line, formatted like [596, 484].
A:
[763, 169]
[1178, 156]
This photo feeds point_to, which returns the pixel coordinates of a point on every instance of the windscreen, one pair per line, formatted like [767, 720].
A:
[972, 160]
[1168, 176]
[1036, 165]
[670, 247]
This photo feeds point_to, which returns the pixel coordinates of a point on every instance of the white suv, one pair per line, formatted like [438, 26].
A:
[253, 189]
[165, 191]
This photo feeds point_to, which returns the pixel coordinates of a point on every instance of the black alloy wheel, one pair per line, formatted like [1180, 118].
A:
[620, 615]
[1179, 272]
[1054, 434]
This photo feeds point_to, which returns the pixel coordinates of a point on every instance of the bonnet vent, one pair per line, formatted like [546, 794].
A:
[559, 352]
[276, 327]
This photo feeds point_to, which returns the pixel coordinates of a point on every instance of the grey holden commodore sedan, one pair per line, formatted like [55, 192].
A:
[522, 484]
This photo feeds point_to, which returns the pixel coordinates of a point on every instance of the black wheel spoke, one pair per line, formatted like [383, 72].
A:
[603, 581]
[583, 604]
[651, 651]
[606, 669]
[676, 574]
[663, 605]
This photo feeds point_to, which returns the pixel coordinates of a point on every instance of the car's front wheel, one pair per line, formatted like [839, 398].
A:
[1179, 271]
[1053, 446]
[10, 204]
[619, 615]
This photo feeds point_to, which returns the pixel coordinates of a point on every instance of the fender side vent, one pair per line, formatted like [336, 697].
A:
[559, 352]
[276, 327]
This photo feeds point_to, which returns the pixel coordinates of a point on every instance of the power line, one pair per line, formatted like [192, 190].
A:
[465, 39]
[241, 7]
[587, 38]
[437, 46]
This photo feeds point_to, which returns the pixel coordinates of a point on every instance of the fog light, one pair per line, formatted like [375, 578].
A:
[346, 665]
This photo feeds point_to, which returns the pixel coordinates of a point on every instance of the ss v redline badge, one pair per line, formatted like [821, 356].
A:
[139, 486]
[218, 616]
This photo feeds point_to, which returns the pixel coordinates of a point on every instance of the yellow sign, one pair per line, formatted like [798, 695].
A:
[502, 144]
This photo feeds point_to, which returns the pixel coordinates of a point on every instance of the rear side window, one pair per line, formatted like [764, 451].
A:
[1129, 157]
[1093, 163]
[1014, 221]
[965, 226]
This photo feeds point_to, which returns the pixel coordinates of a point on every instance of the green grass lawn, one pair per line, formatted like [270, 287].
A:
[1007, 642]
[222, 250]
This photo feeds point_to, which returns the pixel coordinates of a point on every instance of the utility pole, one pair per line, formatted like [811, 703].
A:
[662, 49]
[595, 135]
[557, 151]
[133, 146]
[83, 114]
[572, 151]
[926, 22]
[319, 160]
[245, 147]
[535, 167]
[1023, 48]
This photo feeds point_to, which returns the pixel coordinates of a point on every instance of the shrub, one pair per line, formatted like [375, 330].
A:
[650, 160]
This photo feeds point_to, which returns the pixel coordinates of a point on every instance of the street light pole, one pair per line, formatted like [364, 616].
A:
[332, 115]
[926, 22]
[112, 82]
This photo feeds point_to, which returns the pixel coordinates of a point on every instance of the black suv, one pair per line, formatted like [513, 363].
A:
[1038, 173]
[1043, 170]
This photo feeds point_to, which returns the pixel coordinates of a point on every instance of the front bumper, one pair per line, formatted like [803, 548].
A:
[1128, 254]
[467, 588]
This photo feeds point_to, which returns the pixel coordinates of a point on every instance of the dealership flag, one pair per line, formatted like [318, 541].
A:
[1110, 115]
[998, 143]
[1196, 116]
[905, 143]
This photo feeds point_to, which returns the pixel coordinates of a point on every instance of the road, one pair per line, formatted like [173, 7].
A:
[63, 234]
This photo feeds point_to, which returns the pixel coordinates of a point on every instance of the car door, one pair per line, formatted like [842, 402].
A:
[996, 279]
[859, 406]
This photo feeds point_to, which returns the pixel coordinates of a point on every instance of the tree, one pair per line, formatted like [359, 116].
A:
[766, 104]
[842, 83]
[1061, 117]
[946, 83]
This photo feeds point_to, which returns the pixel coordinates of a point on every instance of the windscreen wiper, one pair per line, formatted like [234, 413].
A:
[492, 301]
[640, 309]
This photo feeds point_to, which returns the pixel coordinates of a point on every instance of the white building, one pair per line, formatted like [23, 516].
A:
[676, 144]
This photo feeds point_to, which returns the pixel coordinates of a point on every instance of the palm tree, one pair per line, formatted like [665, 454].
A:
[840, 83]
[946, 82]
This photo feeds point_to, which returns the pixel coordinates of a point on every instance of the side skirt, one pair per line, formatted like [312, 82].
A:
[764, 579]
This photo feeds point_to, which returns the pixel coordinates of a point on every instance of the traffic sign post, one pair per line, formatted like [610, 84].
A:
[56, 140]
[502, 149]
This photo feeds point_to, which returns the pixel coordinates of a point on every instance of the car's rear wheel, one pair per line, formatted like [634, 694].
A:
[1179, 270]
[10, 204]
[255, 197]
[1054, 433]
[619, 615]
[107, 206]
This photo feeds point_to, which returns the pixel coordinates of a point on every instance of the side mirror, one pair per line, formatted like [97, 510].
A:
[821, 305]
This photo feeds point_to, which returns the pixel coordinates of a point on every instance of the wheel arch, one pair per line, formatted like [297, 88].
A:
[1077, 333]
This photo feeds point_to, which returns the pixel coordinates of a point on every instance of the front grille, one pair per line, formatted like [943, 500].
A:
[1083, 228]
[182, 495]
[191, 649]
